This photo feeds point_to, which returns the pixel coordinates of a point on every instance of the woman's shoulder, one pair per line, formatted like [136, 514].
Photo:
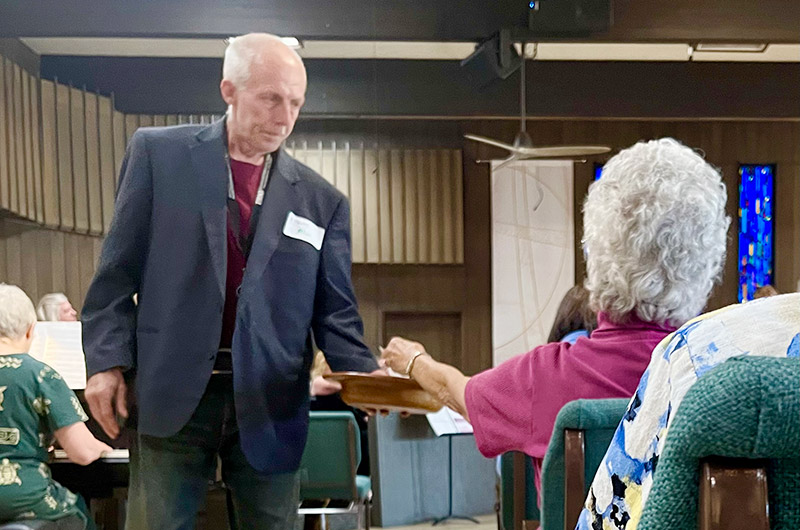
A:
[524, 365]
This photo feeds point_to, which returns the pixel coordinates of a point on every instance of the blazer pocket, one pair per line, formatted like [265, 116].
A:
[290, 245]
[296, 256]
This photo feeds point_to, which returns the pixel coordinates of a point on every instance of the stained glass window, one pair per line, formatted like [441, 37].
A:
[755, 228]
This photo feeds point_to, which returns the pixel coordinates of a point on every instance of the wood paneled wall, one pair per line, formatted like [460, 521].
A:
[399, 298]
[437, 302]
[31, 256]
[19, 169]
[421, 205]
[61, 149]
[406, 204]
[60, 170]
[42, 260]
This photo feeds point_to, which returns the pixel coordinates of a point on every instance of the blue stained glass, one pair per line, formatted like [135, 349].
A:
[755, 228]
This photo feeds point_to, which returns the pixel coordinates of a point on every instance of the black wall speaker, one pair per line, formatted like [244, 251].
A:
[569, 18]
[493, 59]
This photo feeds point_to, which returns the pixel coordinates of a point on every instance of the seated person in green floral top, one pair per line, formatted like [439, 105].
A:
[35, 405]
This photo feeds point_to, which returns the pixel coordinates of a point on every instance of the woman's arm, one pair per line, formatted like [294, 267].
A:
[443, 381]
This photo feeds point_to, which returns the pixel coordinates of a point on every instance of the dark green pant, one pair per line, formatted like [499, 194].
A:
[169, 477]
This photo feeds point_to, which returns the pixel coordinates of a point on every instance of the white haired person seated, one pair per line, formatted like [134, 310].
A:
[55, 307]
[35, 406]
[768, 327]
[654, 236]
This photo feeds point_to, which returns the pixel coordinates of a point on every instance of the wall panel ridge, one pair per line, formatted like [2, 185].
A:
[61, 148]
[406, 204]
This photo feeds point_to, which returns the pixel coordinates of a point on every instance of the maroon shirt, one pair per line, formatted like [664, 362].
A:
[513, 406]
[246, 178]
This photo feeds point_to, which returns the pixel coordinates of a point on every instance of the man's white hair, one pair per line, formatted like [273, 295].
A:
[49, 306]
[655, 233]
[16, 312]
[242, 52]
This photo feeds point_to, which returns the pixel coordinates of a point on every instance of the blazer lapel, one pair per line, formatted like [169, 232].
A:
[208, 162]
[279, 199]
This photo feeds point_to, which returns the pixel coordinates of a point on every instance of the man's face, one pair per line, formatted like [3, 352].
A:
[66, 313]
[266, 107]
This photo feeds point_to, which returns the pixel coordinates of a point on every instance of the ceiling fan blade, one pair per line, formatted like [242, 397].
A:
[504, 163]
[561, 150]
[489, 141]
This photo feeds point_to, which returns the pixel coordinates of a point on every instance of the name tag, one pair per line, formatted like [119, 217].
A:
[303, 229]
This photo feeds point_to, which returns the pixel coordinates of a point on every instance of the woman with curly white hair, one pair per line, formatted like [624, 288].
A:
[655, 230]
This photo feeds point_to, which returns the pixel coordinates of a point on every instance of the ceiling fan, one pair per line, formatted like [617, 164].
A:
[522, 148]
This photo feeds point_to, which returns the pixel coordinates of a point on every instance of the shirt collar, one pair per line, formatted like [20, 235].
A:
[629, 322]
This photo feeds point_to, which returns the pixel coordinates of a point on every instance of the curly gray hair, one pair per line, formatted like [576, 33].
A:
[655, 233]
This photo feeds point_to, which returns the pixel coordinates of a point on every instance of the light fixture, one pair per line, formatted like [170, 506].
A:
[292, 42]
[747, 47]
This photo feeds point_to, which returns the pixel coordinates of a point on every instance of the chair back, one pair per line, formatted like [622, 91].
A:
[745, 415]
[331, 457]
[582, 433]
[518, 500]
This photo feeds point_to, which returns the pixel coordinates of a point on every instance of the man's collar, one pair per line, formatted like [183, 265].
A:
[283, 164]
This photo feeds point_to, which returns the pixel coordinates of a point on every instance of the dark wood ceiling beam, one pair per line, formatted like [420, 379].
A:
[440, 20]
[441, 88]
[422, 20]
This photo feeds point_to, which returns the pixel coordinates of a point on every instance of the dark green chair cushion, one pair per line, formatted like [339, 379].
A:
[598, 418]
[331, 456]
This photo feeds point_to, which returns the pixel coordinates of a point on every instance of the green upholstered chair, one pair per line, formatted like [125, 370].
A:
[732, 454]
[328, 468]
[581, 435]
[517, 491]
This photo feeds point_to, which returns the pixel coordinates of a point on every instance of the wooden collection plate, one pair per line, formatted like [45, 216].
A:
[384, 392]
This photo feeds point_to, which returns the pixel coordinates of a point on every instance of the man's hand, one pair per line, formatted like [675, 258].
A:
[106, 394]
[322, 387]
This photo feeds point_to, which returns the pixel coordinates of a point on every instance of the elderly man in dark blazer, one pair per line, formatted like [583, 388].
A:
[238, 254]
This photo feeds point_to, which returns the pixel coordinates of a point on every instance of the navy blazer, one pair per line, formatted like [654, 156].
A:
[167, 242]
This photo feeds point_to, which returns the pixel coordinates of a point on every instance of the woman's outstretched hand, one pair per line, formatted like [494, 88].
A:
[399, 352]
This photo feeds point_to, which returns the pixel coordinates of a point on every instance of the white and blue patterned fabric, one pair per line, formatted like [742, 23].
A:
[765, 327]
